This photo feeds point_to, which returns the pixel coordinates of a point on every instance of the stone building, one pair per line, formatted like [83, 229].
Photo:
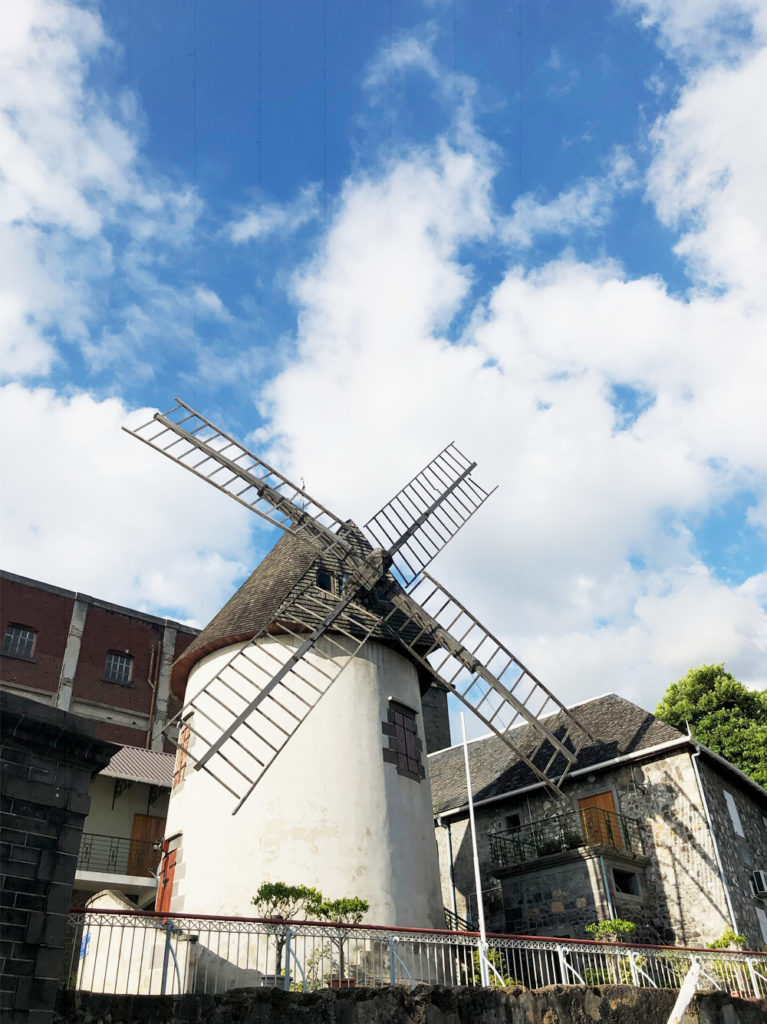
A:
[92, 658]
[652, 827]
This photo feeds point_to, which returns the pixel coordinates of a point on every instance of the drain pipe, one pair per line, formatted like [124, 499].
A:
[446, 826]
[709, 823]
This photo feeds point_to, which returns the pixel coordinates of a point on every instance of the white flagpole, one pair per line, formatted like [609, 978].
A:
[484, 973]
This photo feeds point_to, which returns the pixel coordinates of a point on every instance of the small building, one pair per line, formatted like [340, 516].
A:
[652, 827]
[121, 845]
[92, 658]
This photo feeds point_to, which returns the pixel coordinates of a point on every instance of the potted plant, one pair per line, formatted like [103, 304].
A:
[346, 910]
[282, 902]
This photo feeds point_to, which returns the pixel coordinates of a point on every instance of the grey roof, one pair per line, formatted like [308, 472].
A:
[137, 764]
[254, 607]
[619, 728]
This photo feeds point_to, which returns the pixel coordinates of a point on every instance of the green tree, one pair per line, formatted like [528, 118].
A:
[346, 910]
[722, 713]
[285, 902]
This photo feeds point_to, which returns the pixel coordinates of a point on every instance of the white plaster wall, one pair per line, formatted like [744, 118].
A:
[329, 812]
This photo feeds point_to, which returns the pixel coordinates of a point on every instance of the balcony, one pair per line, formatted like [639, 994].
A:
[112, 862]
[561, 833]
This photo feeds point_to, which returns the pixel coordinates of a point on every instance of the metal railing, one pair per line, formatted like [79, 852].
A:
[115, 855]
[591, 826]
[152, 954]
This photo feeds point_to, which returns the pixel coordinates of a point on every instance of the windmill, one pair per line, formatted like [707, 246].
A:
[339, 593]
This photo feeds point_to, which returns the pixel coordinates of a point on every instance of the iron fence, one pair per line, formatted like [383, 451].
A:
[118, 856]
[591, 826]
[124, 952]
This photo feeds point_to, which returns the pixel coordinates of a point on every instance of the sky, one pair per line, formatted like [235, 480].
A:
[351, 233]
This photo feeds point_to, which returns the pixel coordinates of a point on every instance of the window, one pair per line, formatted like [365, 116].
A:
[626, 882]
[737, 824]
[325, 580]
[405, 747]
[19, 641]
[119, 668]
[513, 821]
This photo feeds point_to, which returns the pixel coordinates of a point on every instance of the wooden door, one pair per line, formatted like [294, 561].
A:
[142, 858]
[165, 887]
[600, 820]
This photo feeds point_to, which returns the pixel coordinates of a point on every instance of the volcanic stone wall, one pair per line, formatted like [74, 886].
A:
[48, 759]
[426, 1005]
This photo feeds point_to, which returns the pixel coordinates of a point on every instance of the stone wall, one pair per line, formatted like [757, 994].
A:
[48, 759]
[555, 1005]
[742, 841]
[680, 898]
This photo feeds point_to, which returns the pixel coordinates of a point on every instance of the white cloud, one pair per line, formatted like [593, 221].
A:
[586, 205]
[707, 178]
[702, 30]
[273, 218]
[94, 510]
[585, 560]
[80, 219]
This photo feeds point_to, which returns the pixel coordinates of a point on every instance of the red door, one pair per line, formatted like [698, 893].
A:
[165, 886]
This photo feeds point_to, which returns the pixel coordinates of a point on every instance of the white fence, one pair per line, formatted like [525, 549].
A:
[124, 952]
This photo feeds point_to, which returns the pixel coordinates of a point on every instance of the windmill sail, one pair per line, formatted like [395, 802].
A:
[241, 719]
[191, 441]
[427, 513]
[484, 675]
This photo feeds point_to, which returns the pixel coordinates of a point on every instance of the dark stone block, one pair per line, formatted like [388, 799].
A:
[28, 901]
[21, 869]
[24, 853]
[42, 842]
[72, 777]
[48, 962]
[55, 929]
[57, 867]
[35, 994]
[35, 792]
[59, 898]
[69, 840]
[79, 803]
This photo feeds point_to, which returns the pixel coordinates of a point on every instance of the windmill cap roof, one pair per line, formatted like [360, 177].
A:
[253, 608]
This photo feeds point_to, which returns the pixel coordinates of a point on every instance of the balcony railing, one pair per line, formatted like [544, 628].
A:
[591, 826]
[117, 856]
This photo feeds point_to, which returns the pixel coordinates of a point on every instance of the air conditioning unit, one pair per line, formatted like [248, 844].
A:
[759, 882]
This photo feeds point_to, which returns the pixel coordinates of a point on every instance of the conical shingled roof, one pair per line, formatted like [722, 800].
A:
[254, 606]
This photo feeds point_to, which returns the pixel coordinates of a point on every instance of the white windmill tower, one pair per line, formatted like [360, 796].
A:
[304, 694]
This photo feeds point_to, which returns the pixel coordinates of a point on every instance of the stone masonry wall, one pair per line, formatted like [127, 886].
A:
[555, 1005]
[48, 759]
[680, 898]
[742, 854]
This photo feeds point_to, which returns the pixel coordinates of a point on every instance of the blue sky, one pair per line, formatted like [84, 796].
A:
[350, 233]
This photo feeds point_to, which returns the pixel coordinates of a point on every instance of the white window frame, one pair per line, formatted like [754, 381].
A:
[125, 661]
[17, 634]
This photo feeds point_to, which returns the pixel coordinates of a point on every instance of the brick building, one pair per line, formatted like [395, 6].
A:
[652, 827]
[87, 656]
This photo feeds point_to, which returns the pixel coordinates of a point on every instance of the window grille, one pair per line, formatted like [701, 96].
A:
[405, 747]
[19, 641]
[118, 668]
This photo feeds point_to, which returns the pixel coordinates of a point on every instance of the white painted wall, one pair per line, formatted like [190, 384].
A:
[329, 812]
[105, 820]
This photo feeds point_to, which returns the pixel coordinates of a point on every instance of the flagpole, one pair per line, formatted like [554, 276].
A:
[484, 973]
